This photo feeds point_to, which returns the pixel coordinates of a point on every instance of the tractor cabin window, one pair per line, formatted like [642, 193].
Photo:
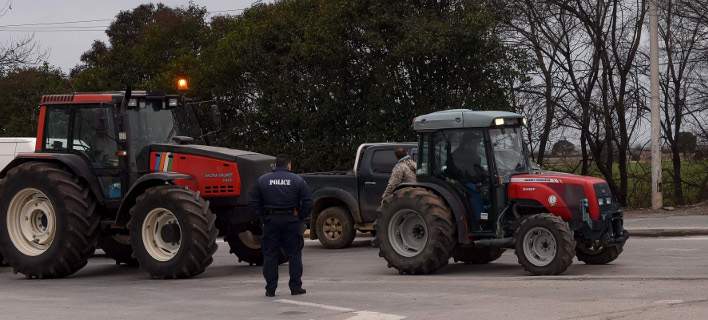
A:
[94, 136]
[56, 131]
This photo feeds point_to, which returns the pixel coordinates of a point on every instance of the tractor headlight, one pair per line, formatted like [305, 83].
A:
[172, 102]
[499, 121]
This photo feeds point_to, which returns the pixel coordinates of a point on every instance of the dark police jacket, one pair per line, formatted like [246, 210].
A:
[281, 189]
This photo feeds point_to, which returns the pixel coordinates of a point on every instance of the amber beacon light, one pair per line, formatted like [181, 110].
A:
[182, 84]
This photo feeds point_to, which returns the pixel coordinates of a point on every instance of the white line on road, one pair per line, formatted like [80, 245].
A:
[357, 315]
[316, 305]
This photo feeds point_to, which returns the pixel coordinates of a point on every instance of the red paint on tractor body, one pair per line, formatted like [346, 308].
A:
[548, 186]
[213, 178]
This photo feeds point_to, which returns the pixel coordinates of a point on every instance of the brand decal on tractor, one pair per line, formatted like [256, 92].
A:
[545, 180]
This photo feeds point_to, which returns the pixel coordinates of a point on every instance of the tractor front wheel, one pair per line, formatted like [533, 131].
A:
[415, 232]
[173, 232]
[49, 227]
[544, 244]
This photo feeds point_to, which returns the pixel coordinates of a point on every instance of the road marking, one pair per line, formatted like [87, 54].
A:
[316, 305]
[682, 238]
[357, 315]
[669, 302]
[675, 249]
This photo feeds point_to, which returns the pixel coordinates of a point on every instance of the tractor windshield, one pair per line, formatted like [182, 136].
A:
[152, 122]
[509, 153]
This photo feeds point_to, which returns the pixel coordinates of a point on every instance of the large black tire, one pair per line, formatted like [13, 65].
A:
[472, 255]
[602, 255]
[194, 239]
[69, 213]
[335, 228]
[245, 242]
[535, 237]
[117, 247]
[431, 223]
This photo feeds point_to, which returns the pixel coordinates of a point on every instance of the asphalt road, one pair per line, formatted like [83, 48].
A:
[655, 278]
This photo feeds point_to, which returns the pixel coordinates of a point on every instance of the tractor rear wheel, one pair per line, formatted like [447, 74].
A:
[597, 254]
[472, 255]
[49, 226]
[335, 228]
[544, 244]
[173, 232]
[245, 243]
[415, 232]
[117, 247]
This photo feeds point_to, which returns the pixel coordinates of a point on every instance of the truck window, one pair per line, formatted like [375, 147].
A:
[94, 136]
[383, 161]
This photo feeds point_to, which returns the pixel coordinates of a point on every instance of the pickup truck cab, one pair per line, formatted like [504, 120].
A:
[347, 201]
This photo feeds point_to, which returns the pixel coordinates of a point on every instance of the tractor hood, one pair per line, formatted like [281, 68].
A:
[226, 154]
[564, 194]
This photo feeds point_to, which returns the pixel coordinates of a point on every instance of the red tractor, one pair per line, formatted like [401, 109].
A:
[477, 195]
[118, 171]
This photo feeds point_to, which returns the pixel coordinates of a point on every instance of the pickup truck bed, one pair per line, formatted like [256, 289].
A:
[346, 201]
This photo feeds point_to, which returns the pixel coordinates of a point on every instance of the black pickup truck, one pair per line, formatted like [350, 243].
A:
[346, 201]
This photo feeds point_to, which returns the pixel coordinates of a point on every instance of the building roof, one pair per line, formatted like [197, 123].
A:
[460, 118]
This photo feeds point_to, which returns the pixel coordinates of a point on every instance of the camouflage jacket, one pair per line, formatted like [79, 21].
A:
[403, 172]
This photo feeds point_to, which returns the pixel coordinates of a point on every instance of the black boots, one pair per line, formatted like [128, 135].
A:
[298, 291]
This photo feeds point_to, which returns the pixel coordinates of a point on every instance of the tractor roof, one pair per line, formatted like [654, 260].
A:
[95, 97]
[462, 118]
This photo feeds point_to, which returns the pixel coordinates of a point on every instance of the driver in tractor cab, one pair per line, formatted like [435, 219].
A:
[104, 145]
[466, 164]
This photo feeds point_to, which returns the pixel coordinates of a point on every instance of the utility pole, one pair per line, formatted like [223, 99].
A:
[657, 200]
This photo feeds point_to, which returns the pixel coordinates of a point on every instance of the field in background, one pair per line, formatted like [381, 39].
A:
[694, 179]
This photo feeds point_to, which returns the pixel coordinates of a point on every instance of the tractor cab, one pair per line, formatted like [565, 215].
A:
[475, 154]
[112, 132]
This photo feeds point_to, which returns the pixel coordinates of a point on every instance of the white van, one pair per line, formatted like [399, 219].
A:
[9, 147]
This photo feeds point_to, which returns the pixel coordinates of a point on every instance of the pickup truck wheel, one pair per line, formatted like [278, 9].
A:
[415, 233]
[335, 228]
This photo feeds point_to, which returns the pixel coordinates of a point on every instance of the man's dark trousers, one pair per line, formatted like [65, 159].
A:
[282, 232]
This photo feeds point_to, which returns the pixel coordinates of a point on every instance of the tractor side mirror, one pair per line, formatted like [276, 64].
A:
[215, 116]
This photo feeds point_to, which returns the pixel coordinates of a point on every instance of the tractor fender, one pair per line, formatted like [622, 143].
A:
[453, 201]
[328, 197]
[143, 183]
[75, 163]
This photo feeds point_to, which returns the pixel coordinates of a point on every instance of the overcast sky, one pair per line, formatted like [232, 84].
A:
[64, 47]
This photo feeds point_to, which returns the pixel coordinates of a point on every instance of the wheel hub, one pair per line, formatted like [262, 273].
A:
[540, 246]
[408, 233]
[161, 234]
[31, 222]
[333, 228]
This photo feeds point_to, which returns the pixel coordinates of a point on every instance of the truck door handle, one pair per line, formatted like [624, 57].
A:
[370, 182]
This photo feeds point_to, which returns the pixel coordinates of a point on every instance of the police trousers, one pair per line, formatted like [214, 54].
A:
[282, 234]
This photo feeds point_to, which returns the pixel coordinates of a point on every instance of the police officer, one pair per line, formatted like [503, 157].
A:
[283, 200]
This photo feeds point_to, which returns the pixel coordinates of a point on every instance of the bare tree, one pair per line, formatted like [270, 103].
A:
[23, 52]
[682, 38]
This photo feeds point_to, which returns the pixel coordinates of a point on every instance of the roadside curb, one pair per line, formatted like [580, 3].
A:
[667, 232]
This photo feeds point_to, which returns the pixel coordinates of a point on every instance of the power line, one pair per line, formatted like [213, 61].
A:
[52, 23]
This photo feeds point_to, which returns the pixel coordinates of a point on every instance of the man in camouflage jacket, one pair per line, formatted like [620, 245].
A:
[403, 172]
